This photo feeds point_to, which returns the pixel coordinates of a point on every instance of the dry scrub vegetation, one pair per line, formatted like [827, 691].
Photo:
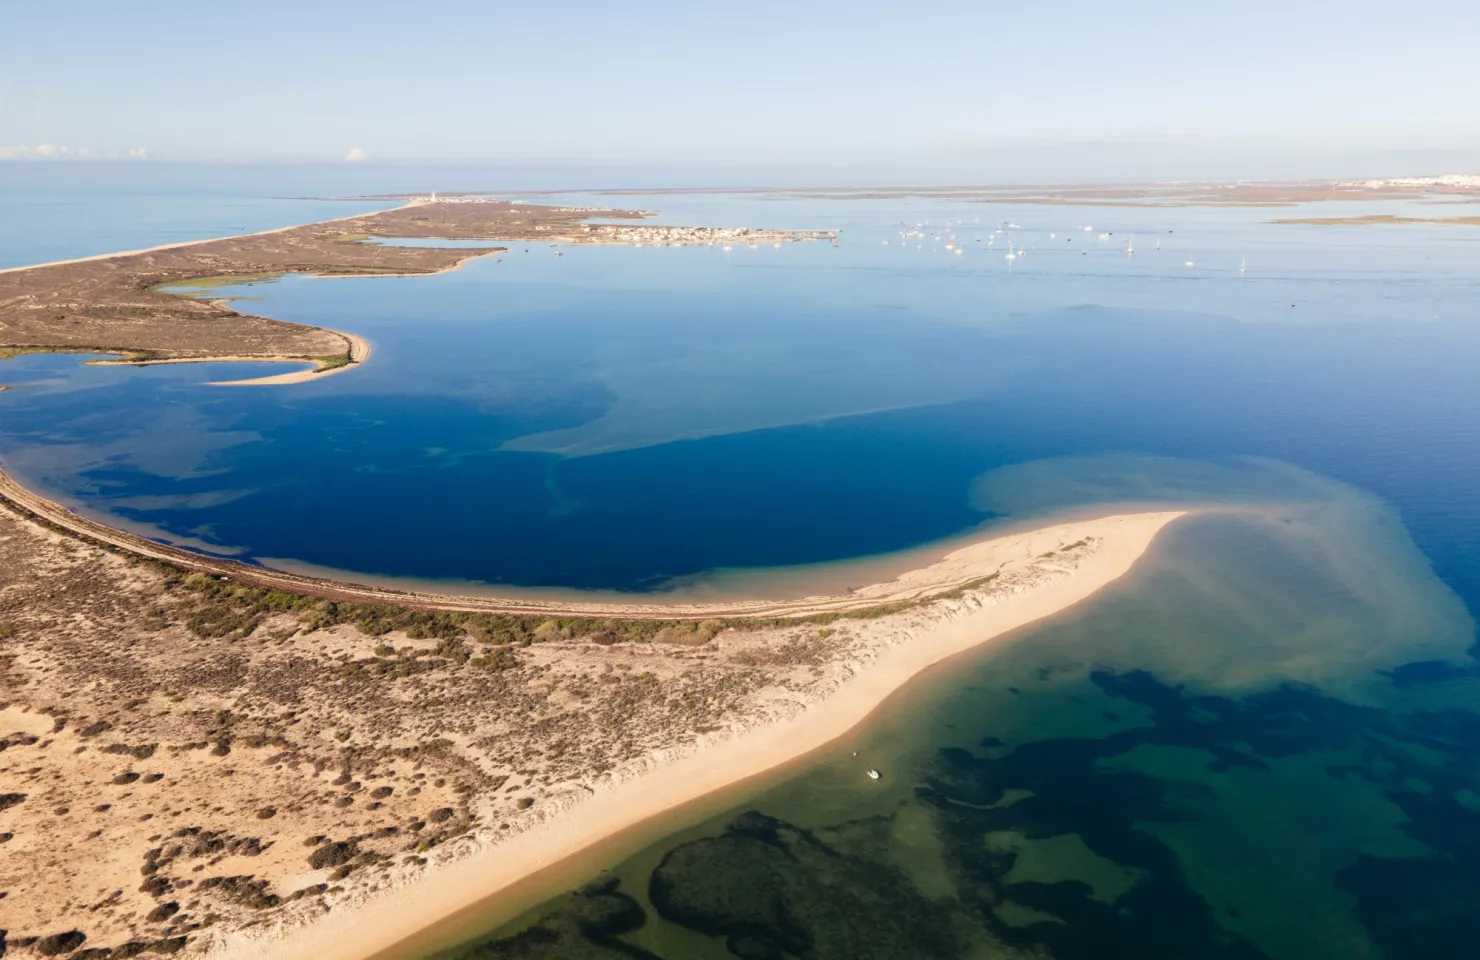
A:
[115, 305]
[181, 755]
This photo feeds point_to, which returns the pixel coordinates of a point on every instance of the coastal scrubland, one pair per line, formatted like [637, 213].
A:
[185, 759]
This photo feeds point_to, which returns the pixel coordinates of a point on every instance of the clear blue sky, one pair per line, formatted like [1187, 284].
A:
[1276, 87]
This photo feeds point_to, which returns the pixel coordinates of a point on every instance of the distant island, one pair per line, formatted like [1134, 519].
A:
[1381, 218]
[1241, 193]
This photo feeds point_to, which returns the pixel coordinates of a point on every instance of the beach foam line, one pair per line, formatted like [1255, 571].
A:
[386, 923]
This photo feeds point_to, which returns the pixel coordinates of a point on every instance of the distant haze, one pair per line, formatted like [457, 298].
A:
[981, 91]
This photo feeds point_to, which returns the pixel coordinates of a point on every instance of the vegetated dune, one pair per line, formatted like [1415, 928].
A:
[199, 764]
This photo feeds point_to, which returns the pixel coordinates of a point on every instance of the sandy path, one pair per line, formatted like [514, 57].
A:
[382, 921]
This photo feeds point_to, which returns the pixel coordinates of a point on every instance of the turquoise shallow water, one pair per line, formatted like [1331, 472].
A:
[1260, 745]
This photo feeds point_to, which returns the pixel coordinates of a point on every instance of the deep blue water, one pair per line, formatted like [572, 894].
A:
[617, 417]
[1274, 724]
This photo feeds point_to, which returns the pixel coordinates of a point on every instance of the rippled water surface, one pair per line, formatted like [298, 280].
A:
[1262, 743]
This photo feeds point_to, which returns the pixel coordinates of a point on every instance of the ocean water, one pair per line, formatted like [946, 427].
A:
[1261, 744]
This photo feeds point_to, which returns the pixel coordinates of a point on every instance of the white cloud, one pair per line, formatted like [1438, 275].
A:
[53, 151]
[21, 151]
[139, 153]
[355, 155]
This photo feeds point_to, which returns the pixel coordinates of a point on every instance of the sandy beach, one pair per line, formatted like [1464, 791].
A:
[359, 351]
[378, 921]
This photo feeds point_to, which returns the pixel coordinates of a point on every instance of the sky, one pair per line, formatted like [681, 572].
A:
[1068, 89]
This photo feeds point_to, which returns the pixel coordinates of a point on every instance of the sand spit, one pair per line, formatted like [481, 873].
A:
[265, 761]
[117, 303]
[358, 352]
[181, 245]
[1038, 574]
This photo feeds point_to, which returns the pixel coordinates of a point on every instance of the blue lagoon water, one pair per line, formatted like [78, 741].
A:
[1259, 745]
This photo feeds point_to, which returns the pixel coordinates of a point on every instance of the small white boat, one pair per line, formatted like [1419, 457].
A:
[874, 774]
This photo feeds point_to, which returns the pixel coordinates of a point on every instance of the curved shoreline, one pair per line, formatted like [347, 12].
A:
[955, 570]
[358, 351]
[911, 624]
[405, 920]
